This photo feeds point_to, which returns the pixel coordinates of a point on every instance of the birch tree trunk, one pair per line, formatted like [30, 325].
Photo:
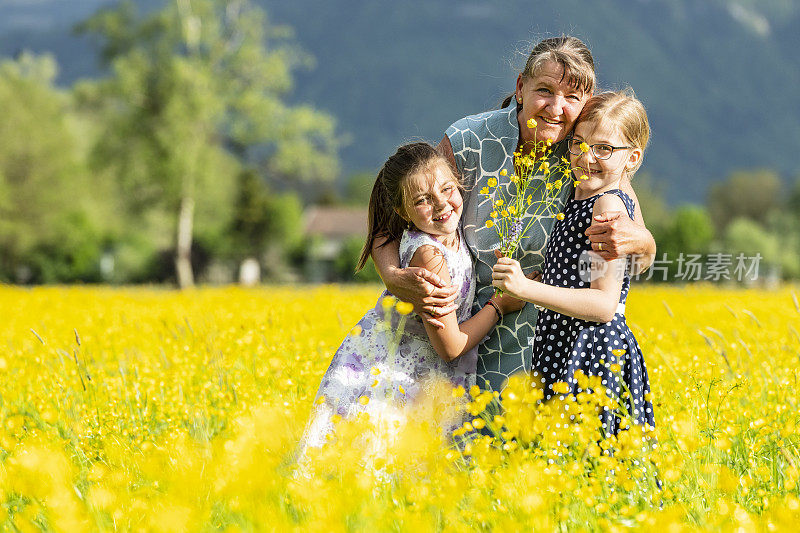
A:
[183, 248]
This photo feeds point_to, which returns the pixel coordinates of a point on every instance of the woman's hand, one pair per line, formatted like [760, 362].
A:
[425, 290]
[613, 235]
[508, 277]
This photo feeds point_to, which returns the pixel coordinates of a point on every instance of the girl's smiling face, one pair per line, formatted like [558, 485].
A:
[433, 200]
[600, 137]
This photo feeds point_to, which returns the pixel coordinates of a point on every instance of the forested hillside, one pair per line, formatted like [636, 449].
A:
[719, 77]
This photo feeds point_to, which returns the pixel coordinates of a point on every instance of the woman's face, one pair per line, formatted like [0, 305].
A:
[552, 102]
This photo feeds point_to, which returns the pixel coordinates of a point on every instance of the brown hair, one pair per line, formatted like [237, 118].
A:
[625, 111]
[570, 53]
[390, 192]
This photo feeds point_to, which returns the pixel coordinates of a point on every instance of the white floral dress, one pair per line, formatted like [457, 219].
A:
[395, 352]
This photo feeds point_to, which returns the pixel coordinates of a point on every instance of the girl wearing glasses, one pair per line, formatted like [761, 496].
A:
[552, 88]
[582, 329]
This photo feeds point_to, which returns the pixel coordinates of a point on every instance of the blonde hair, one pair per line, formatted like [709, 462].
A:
[624, 111]
[569, 52]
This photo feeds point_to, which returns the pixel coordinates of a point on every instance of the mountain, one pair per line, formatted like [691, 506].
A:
[719, 78]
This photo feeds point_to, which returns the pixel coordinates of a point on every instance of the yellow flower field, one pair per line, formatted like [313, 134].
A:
[148, 409]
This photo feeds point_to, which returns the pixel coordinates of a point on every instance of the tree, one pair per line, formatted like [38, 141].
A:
[196, 91]
[265, 224]
[783, 225]
[745, 194]
[689, 231]
[359, 188]
[743, 236]
[49, 212]
[793, 202]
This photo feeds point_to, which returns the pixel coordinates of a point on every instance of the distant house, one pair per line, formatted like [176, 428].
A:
[328, 229]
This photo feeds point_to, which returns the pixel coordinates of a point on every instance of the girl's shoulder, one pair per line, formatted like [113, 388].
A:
[614, 200]
[412, 240]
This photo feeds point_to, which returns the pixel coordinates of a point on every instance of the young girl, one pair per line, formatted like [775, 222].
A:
[390, 356]
[583, 326]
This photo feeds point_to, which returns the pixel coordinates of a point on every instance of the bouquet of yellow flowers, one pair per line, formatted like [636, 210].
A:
[531, 193]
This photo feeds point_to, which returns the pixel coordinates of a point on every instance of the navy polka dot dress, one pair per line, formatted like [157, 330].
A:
[564, 345]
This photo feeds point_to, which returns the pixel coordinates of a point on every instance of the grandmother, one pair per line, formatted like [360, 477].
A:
[557, 80]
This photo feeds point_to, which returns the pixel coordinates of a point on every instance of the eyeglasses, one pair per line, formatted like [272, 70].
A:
[599, 150]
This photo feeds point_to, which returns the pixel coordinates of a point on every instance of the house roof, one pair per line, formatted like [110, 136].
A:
[336, 222]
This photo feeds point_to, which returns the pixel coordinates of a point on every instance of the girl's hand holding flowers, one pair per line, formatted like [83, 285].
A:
[507, 276]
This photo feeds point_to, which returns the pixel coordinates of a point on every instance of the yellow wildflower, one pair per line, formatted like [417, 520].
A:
[560, 387]
[619, 352]
[363, 400]
[375, 383]
[615, 368]
[531, 123]
[401, 389]
[489, 223]
[493, 214]
[404, 308]
[557, 184]
[458, 392]
[512, 209]
[504, 172]
[356, 331]
[504, 213]
[485, 190]
[375, 371]
[584, 147]
[499, 202]
[560, 216]
[492, 182]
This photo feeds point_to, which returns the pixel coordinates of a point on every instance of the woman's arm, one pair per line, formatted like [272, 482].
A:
[454, 339]
[615, 235]
[596, 304]
[424, 289]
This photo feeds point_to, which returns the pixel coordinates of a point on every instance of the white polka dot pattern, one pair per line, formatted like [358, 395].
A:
[564, 344]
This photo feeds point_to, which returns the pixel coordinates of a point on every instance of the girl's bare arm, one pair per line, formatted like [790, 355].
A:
[454, 339]
[596, 304]
[424, 289]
